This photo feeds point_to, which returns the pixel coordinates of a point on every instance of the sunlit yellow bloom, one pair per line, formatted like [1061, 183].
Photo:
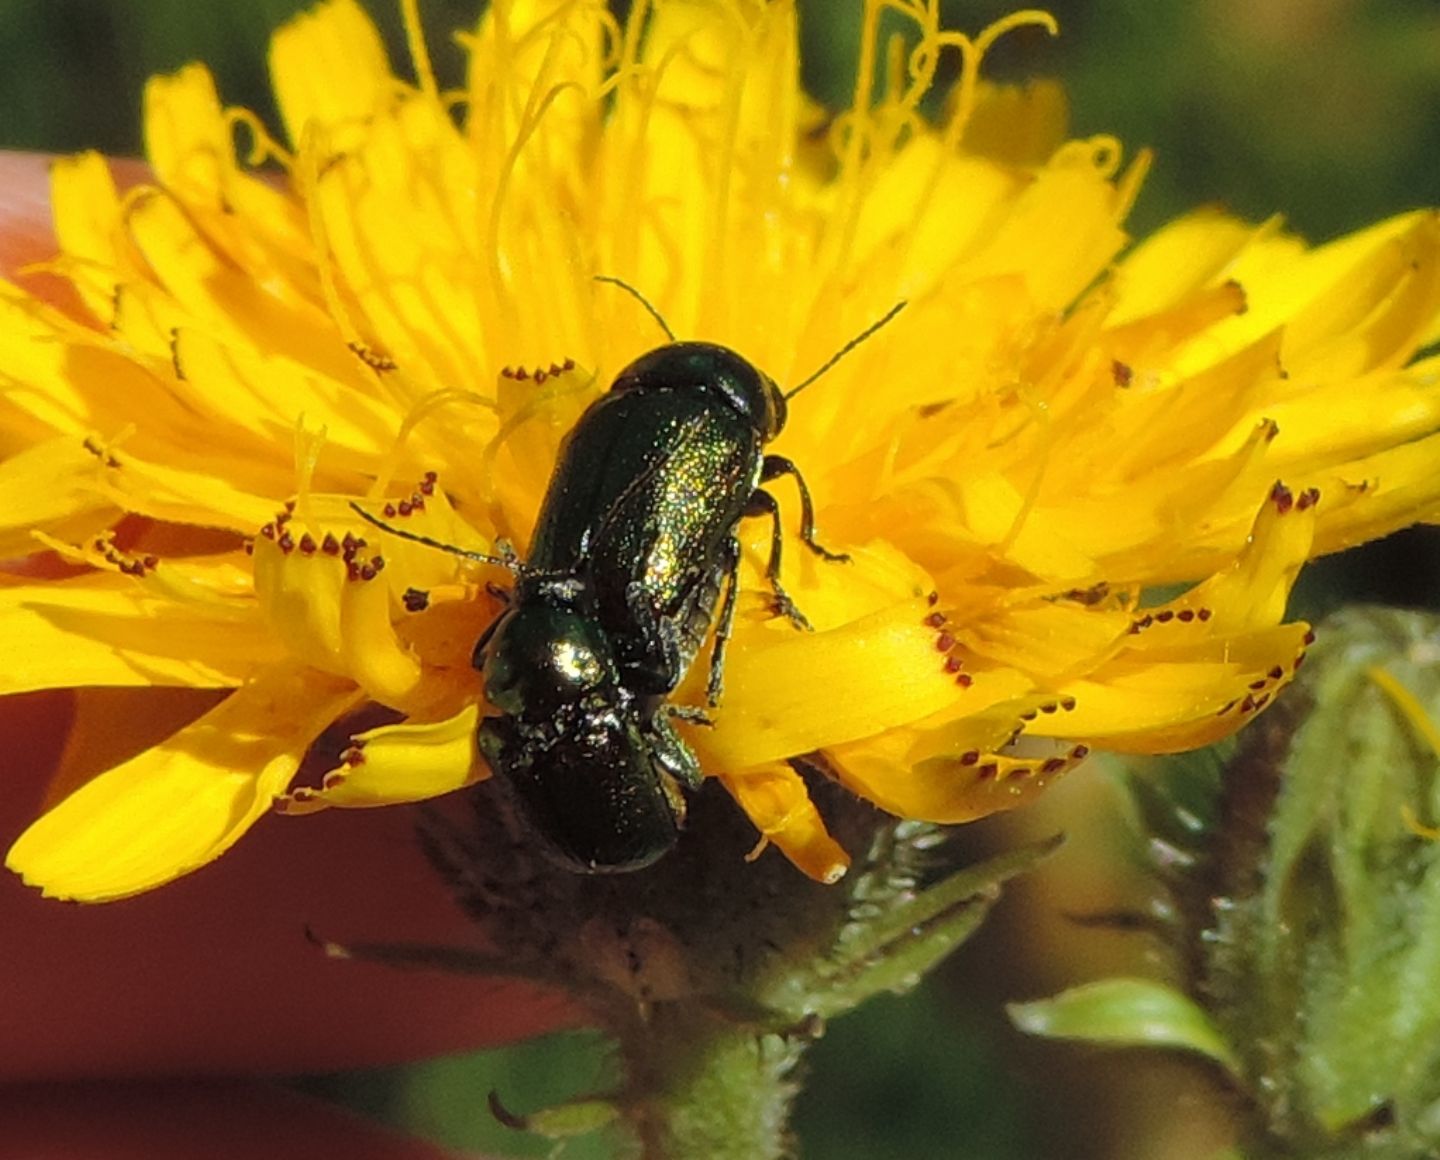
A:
[399, 307]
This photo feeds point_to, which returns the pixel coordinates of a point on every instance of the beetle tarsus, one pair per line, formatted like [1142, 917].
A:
[692, 714]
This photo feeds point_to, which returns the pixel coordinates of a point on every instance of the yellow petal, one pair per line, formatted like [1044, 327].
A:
[955, 773]
[106, 630]
[1324, 288]
[182, 495]
[51, 486]
[269, 395]
[112, 725]
[775, 799]
[1018, 124]
[1373, 496]
[878, 643]
[85, 208]
[180, 805]
[879, 671]
[1190, 696]
[1191, 252]
[328, 594]
[398, 763]
[328, 67]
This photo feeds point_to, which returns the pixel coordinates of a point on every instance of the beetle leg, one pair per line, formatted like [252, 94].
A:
[763, 503]
[730, 563]
[691, 714]
[477, 654]
[773, 467]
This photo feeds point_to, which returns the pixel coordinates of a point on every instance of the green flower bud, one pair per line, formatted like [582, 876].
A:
[1322, 967]
[1304, 895]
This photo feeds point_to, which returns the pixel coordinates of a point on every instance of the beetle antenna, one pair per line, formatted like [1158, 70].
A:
[848, 347]
[508, 561]
[640, 298]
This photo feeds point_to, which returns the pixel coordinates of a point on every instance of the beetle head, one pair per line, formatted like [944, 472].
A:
[706, 366]
[541, 656]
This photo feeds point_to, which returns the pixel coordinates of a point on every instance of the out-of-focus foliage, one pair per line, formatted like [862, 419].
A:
[1329, 109]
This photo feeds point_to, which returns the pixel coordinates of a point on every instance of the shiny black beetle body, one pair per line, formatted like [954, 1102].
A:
[634, 547]
[634, 544]
[647, 493]
[592, 770]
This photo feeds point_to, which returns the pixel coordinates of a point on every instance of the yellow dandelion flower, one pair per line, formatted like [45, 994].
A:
[399, 307]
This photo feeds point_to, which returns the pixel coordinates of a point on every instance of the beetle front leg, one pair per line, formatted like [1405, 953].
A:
[763, 503]
[773, 467]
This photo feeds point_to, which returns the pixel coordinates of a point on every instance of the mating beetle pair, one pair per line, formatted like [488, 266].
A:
[635, 545]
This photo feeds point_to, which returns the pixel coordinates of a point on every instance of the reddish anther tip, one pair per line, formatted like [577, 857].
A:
[944, 642]
[1282, 497]
[964, 680]
[1122, 373]
[1308, 498]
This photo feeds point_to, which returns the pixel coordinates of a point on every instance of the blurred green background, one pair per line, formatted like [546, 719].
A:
[1325, 110]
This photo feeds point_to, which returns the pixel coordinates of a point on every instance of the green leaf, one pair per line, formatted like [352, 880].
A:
[1126, 1012]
